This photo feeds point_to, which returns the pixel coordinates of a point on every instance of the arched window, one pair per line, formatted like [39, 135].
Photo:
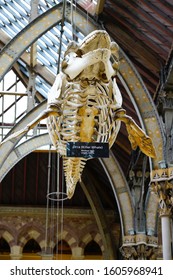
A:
[92, 251]
[31, 247]
[4, 246]
[4, 249]
[62, 250]
[31, 250]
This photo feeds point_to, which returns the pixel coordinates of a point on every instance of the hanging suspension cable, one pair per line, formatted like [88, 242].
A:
[62, 211]
[57, 211]
[55, 194]
[72, 20]
[61, 34]
[47, 202]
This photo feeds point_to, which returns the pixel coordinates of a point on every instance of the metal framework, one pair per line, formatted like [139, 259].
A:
[46, 30]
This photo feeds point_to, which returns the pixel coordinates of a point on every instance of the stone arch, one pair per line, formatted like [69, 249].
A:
[78, 250]
[127, 73]
[4, 242]
[111, 166]
[143, 104]
[29, 232]
[89, 248]
[68, 235]
[122, 193]
[91, 236]
[10, 154]
[28, 146]
[34, 242]
[7, 234]
[62, 247]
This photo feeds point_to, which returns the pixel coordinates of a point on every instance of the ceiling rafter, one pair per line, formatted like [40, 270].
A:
[138, 34]
[142, 21]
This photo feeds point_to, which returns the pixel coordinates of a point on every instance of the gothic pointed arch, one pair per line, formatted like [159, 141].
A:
[129, 77]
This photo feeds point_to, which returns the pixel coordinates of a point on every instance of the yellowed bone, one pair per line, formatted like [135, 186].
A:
[136, 135]
[85, 104]
[87, 123]
[50, 111]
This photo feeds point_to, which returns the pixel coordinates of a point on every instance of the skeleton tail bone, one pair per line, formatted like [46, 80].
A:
[73, 168]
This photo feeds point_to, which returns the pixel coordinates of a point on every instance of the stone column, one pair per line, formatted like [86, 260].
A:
[164, 191]
[77, 253]
[166, 237]
[16, 253]
[47, 256]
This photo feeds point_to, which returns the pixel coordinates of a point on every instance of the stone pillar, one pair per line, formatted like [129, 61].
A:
[164, 192]
[47, 256]
[16, 253]
[166, 237]
[77, 253]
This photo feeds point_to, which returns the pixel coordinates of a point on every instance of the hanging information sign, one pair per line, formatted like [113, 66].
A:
[88, 149]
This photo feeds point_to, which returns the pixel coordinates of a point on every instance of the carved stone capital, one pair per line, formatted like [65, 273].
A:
[164, 192]
[139, 252]
[133, 240]
[128, 252]
[139, 247]
[162, 174]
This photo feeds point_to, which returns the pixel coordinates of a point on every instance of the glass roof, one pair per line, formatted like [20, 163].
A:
[14, 16]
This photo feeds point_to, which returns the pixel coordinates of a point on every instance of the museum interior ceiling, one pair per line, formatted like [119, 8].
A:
[32, 53]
